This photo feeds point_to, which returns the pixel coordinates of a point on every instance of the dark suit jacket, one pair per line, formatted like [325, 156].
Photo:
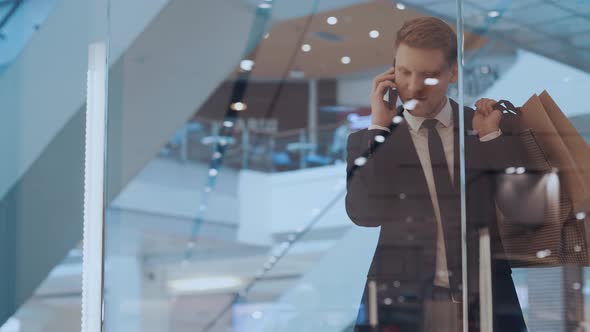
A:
[390, 191]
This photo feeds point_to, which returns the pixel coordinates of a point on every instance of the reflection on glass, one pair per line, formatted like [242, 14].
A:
[228, 188]
[530, 60]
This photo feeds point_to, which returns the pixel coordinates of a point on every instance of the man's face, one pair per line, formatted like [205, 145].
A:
[413, 66]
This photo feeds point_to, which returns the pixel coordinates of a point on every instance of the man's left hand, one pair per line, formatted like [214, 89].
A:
[486, 119]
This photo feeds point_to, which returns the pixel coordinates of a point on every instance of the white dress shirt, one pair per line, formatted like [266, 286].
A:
[420, 138]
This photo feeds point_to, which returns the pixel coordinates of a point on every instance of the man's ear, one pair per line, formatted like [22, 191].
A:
[454, 73]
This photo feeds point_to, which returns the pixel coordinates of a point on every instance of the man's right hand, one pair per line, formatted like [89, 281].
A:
[381, 114]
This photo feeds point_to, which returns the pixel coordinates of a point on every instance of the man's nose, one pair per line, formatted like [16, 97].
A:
[416, 86]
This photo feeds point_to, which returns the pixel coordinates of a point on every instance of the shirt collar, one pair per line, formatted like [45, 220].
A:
[444, 116]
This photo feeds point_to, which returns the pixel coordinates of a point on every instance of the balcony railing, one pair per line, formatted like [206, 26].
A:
[259, 150]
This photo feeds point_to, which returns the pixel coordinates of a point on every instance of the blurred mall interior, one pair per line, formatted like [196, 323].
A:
[226, 154]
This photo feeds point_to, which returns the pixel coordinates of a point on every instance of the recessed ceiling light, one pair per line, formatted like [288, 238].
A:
[264, 5]
[306, 47]
[374, 34]
[345, 60]
[332, 20]
[400, 6]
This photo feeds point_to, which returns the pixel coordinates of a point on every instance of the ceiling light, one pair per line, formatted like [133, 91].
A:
[494, 13]
[213, 172]
[400, 6]
[205, 284]
[345, 60]
[397, 119]
[332, 20]
[266, 35]
[374, 34]
[306, 47]
[264, 5]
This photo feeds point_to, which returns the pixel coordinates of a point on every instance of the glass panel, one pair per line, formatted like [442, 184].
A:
[231, 126]
[527, 184]
[43, 66]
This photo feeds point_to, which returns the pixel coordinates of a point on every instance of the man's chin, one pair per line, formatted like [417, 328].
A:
[421, 111]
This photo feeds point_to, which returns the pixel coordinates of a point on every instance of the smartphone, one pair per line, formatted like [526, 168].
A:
[391, 98]
[392, 94]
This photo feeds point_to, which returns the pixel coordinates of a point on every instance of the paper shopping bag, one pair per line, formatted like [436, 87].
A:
[554, 147]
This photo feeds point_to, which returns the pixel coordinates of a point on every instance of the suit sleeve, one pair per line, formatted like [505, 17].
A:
[517, 196]
[363, 205]
[506, 150]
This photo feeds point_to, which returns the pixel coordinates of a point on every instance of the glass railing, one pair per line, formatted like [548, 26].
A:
[274, 207]
[259, 150]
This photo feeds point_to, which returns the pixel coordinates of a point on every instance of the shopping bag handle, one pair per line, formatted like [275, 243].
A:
[507, 107]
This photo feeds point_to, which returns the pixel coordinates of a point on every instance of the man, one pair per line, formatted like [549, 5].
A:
[409, 186]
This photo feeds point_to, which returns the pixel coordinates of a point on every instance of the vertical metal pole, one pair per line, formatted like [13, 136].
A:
[245, 148]
[215, 131]
[302, 152]
[372, 304]
[184, 144]
[94, 189]
[271, 148]
[485, 282]
[312, 110]
[460, 64]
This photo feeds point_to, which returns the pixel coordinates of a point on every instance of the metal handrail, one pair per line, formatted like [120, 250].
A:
[11, 11]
